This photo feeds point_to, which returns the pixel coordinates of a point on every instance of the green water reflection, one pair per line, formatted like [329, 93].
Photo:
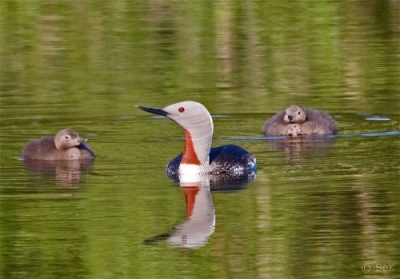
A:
[316, 209]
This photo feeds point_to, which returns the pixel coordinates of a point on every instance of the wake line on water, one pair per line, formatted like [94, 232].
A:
[371, 134]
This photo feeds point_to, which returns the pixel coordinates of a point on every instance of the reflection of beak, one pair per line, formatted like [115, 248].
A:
[153, 110]
[156, 239]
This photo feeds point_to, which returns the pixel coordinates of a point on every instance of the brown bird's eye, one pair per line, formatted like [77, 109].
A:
[181, 109]
[67, 137]
[298, 112]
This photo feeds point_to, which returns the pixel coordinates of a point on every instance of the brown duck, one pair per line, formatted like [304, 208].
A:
[66, 145]
[297, 121]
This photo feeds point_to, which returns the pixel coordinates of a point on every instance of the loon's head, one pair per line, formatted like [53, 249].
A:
[190, 115]
[295, 114]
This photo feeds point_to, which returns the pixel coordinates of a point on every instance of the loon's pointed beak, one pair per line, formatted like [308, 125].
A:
[153, 110]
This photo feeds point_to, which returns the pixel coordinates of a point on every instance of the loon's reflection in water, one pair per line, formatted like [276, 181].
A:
[199, 224]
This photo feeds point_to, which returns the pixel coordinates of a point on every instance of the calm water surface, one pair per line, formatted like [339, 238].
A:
[317, 208]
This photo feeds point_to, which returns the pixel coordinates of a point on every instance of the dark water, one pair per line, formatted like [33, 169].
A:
[318, 208]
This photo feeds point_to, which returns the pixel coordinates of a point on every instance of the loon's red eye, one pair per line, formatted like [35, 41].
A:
[181, 109]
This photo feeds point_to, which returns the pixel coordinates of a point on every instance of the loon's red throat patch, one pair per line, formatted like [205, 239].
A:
[189, 154]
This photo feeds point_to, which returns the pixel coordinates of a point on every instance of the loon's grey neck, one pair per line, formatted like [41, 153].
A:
[200, 137]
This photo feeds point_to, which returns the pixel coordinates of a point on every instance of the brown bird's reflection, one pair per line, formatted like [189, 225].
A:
[300, 149]
[68, 173]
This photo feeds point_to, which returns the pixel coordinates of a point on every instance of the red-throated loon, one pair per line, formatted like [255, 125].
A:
[198, 157]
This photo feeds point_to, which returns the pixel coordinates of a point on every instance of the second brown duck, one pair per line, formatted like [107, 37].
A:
[298, 121]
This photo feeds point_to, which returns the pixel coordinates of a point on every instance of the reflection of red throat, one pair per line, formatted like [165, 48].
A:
[190, 198]
[189, 154]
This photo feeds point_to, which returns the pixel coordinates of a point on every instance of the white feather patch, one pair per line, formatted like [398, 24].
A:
[191, 173]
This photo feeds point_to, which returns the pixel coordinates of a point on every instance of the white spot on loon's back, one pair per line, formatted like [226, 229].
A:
[191, 173]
